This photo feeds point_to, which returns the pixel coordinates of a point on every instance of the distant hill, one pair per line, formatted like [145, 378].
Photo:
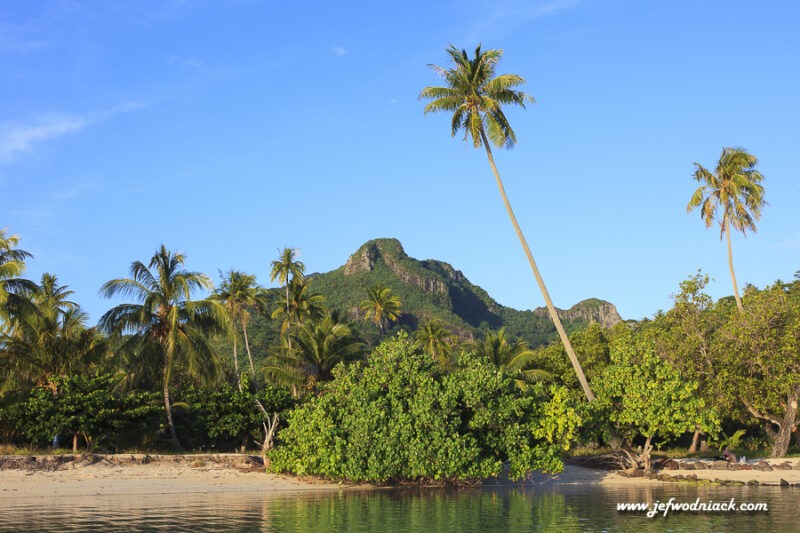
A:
[434, 289]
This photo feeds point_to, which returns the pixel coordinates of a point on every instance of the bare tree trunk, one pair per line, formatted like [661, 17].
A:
[645, 456]
[695, 440]
[730, 266]
[74, 443]
[550, 307]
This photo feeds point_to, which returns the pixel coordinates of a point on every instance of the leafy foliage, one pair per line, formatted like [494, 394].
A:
[757, 354]
[85, 406]
[225, 418]
[645, 395]
[400, 418]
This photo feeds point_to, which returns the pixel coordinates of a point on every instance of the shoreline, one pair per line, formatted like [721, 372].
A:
[143, 474]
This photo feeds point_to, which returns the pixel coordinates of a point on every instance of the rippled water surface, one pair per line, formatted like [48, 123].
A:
[419, 510]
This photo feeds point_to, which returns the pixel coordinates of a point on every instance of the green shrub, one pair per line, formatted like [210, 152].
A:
[224, 418]
[399, 418]
[86, 408]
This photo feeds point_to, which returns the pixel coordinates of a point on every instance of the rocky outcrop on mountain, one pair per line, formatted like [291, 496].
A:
[434, 290]
[591, 310]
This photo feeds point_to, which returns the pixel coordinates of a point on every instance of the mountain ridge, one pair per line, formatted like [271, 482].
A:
[434, 289]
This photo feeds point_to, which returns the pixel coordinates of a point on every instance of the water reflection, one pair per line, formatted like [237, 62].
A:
[410, 510]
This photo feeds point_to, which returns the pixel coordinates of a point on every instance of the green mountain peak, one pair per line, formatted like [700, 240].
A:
[432, 289]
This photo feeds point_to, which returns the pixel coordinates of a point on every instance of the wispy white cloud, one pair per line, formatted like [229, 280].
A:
[16, 139]
[505, 16]
[21, 139]
[339, 51]
[188, 62]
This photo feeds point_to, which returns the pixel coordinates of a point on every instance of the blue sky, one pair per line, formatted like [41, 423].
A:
[229, 129]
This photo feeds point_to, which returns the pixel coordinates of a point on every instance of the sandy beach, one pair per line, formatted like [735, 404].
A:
[134, 475]
[199, 474]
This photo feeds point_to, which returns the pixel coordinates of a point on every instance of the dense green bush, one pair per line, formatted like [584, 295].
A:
[81, 408]
[400, 418]
[223, 419]
[641, 394]
[95, 414]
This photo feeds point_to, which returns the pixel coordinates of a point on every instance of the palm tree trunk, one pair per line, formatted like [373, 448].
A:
[167, 405]
[288, 316]
[550, 307]
[247, 346]
[236, 363]
[730, 266]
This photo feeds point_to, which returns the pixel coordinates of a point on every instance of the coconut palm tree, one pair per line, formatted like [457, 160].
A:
[50, 339]
[475, 96]
[13, 289]
[52, 297]
[319, 345]
[239, 292]
[164, 322]
[732, 196]
[287, 269]
[302, 305]
[513, 357]
[433, 338]
[381, 305]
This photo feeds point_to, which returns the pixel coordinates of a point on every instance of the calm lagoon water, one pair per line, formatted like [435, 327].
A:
[509, 508]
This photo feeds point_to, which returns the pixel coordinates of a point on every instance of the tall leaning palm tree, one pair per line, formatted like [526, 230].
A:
[238, 292]
[475, 96]
[732, 196]
[164, 322]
